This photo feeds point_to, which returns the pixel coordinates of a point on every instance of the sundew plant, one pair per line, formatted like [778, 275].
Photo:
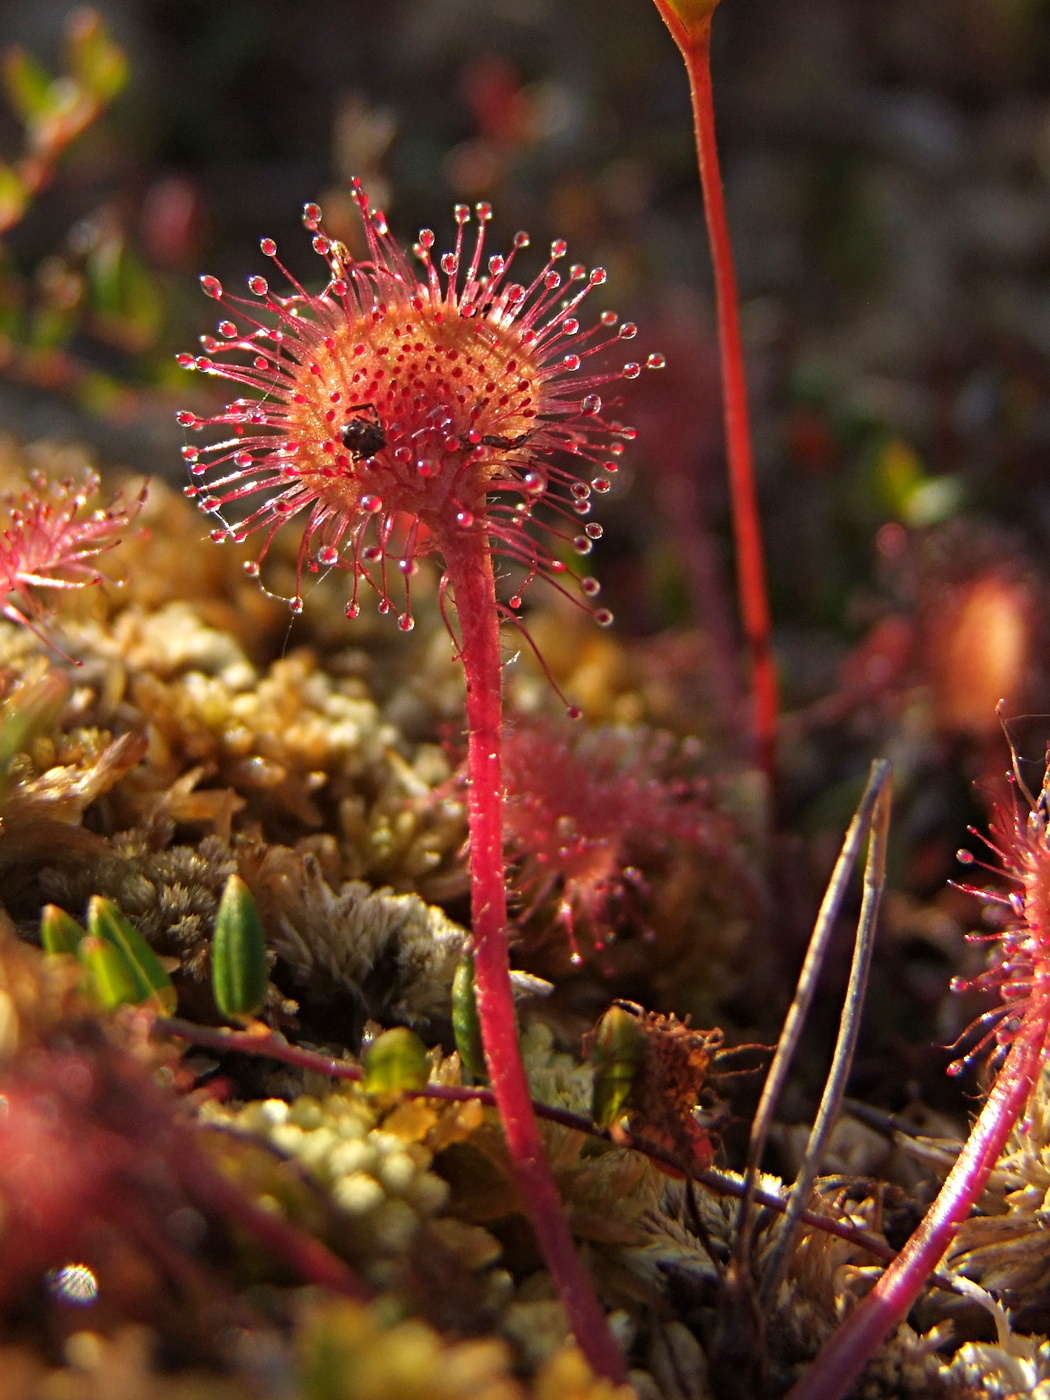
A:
[451, 411]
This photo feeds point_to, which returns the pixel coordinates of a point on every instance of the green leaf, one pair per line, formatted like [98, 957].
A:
[13, 197]
[615, 1047]
[28, 86]
[59, 931]
[31, 711]
[98, 64]
[240, 971]
[144, 969]
[466, 1028]
[112, 977]
[394, 1061]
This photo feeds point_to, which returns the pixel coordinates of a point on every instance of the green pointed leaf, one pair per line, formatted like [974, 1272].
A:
[615, 1047]
[33, 709]
[144, 968]
[97, 63]
[240, 971]
[466, 1028]
[28, 86]
[59, 931]
[13, 197]
[112, 977]
[396, 1060]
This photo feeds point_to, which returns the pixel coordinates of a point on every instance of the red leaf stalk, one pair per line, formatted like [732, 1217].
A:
[470, 573]
[1019, 970]
[690, 27]
[887, 1304]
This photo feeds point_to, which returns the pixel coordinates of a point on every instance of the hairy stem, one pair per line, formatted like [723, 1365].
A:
[694, 41]
[862, 1333]
[469, 571]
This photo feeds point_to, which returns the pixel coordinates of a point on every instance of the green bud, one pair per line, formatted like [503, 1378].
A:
[394, 1061]
[98, 65]
[144, 969]
[466, 1028]
[29, 87]
[240, 970]
[59, 931]
[112, 978]
[615, 1047]
[688, 20]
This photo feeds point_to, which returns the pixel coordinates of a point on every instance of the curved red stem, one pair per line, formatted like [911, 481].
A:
[694, 42]
[862, 1333]
[469, 571]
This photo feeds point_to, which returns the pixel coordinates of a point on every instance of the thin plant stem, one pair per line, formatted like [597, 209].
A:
[805, 990]
[860, 1336]
[470, 575]
[849, 1029]
[694, 42]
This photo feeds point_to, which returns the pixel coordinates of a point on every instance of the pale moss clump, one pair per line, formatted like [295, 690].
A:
[374, 1161]
[395, 953]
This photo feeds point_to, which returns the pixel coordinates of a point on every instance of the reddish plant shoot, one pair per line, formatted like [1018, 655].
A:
[1016, 1031]
[689, 22]
[50, 540]
[405, 414]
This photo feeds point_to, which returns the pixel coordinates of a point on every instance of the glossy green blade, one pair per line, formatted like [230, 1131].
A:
[240, 972]
[144, 968]
[59, 931]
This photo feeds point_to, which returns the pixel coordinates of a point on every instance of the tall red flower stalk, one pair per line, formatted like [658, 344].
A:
[1019, 969]
[689, 22]
[409, 414]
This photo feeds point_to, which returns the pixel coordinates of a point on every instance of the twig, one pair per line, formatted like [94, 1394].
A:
[849, 1029]
[807, 985]
[275, 1047]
